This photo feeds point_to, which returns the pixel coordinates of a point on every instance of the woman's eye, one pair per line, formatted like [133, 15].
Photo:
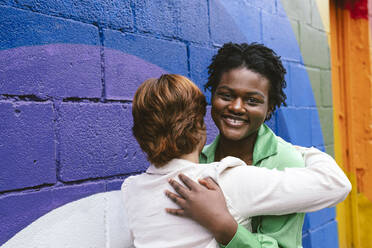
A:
[252, 100]
[225, 96]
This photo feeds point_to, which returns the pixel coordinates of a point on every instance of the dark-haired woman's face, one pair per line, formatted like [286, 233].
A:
[240, 103]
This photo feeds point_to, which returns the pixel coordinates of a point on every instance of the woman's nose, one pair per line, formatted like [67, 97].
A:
[237, 106]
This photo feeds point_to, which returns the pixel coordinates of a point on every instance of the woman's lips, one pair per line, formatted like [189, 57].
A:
[234, 121]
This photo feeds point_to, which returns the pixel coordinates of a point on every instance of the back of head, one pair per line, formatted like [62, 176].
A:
[168, 117]
[255, 57]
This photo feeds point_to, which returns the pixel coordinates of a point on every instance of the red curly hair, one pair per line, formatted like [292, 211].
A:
[168, 116]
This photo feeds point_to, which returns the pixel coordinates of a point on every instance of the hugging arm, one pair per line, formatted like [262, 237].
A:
[206, 205]
[263, 191]
[322, 184]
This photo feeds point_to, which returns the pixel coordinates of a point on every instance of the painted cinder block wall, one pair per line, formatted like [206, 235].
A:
[69, 69]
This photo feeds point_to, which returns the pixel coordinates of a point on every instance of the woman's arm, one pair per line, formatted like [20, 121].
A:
[259, 191]
[206, 205]
[321, 184]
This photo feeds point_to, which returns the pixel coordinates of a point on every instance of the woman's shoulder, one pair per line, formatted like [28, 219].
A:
[276, 152]
[287, 155]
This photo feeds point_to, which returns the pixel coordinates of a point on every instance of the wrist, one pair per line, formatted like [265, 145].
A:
[224, 229]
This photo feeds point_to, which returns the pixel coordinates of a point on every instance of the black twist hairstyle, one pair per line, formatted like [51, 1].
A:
[255, 57]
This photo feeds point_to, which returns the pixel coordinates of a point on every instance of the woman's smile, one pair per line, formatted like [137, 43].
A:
[240, 103]
[234, 121]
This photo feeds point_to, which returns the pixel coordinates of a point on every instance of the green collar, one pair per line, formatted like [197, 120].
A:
[266, 146]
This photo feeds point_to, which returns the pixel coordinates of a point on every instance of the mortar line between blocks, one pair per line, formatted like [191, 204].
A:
[188, 60]
[57, 140]
[102, 55]
[209, 23]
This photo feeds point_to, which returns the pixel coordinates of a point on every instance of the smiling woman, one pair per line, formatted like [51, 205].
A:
[240, 103]
[247, 82]
[247, 85]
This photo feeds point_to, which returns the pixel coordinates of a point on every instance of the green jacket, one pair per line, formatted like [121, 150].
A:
[270, 151]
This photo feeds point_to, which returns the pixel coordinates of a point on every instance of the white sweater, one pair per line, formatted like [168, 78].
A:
[249, 191]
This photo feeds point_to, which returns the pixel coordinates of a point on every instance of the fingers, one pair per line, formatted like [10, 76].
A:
[188, 182]
[178, 212]
[183, 191]
[209, 183]
[179, 201]
[176, 198]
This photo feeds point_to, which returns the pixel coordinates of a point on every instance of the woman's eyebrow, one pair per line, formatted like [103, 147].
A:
[223, 87]
[255, 93]
[250, 93]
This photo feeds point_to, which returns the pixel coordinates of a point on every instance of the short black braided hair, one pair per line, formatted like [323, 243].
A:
[255, 57]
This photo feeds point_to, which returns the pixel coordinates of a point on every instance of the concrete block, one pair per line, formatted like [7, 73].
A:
[21, 209]
[55, 70]
[296, 29]
[325, 236]
[278, 34]
[171, 56]
[200, 59]
[157, 17]
[282, 126]
[317, 131]
[306, 242]
[314, 47]
[330, 149]
[266, 5]
[193, 21]
[297, 10]
[27, 145]
[294, 125]
[115, 13]
[125, 72]
[326, 119]
[97, 141]
[314, 76]
[316, 19]
[319, 218]
[326, 86]
[280, 9]
[187, 20]
[7, 2]
[301, 90]
[25, 28]
[230, 21]
[212, 130]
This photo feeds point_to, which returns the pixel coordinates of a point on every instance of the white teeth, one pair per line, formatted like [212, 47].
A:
[234, 121]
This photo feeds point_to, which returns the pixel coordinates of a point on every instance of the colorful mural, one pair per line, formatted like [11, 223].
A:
[68, 72]
[351, 65]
